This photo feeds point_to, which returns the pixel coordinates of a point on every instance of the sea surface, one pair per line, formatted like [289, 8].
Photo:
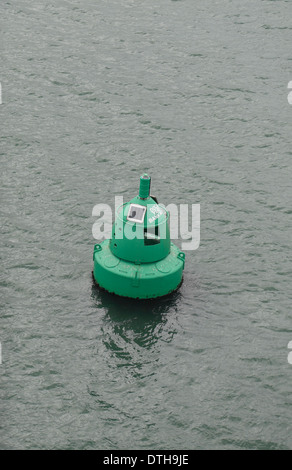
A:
[195, 93]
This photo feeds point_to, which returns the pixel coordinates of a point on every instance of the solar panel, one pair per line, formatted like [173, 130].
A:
[136, 213]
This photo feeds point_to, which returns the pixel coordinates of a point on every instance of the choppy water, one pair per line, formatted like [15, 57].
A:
[194, 92]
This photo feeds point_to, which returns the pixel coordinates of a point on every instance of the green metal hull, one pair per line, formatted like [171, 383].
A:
[139, 281]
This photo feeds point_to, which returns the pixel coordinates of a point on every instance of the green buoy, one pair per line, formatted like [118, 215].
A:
[139, 261]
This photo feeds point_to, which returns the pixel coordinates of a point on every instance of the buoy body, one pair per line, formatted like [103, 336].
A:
[139, 261]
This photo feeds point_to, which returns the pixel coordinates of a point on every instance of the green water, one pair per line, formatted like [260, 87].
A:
[95, 93]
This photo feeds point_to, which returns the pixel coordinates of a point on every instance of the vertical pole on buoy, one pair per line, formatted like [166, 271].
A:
[144, 190]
